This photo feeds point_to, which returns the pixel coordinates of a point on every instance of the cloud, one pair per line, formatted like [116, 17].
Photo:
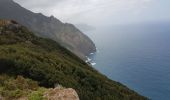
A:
[92, 11]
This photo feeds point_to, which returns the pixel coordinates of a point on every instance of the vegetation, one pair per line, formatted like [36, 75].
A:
[14, 88]
[46, 62]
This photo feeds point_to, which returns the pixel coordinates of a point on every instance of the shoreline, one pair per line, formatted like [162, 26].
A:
[89, 58]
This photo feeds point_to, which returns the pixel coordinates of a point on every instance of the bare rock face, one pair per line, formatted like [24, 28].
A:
[61, 94]
[49, 27]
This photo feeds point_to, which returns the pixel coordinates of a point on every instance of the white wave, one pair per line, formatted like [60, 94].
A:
[91, 53]
[93, 64]
[88, 59]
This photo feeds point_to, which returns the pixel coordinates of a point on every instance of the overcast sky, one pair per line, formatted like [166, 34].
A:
[101, 12]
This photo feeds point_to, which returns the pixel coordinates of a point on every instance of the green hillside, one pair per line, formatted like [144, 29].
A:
[45, 61]
[13, 88]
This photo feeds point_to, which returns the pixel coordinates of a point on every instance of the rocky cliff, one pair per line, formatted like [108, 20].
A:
[48, 63]
[49, 27]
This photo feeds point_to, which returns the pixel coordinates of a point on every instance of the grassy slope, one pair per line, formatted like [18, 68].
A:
[13, 88]
[45, 61]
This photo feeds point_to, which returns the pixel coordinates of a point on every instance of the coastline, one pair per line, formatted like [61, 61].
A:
[89, 58]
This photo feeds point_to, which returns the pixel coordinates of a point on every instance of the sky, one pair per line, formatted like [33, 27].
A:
[101, 12]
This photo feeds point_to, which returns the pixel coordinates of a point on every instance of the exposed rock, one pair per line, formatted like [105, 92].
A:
[61, 94]
[10, 24]
[1, 98]
[50, 27]
[4, 22]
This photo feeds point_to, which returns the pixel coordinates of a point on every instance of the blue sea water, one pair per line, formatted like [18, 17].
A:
[137, 56]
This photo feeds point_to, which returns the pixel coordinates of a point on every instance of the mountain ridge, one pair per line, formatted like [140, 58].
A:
[49, 27]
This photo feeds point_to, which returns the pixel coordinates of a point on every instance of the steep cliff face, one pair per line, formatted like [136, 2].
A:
[48, 63]
[50, 27]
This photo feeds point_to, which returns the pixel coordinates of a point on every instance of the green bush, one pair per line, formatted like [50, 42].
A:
[37, 95]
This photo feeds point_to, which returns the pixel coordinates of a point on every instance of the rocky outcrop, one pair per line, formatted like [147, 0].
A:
[50, 27]
[1, 98]
[61, 94]
[4, 22]
[55, 94]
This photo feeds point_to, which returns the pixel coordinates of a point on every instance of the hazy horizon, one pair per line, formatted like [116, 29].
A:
[102, 13]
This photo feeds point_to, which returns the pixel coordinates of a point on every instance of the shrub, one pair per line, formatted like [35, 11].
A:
[37, 95]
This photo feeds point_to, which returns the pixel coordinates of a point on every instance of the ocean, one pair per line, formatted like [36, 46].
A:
[136, 55]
